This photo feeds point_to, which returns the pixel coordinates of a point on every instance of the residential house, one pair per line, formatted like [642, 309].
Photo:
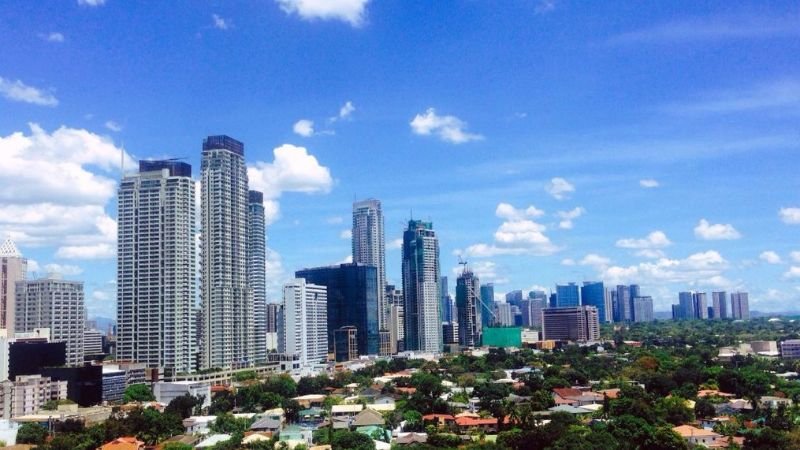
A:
[123, 443]
[696, 436]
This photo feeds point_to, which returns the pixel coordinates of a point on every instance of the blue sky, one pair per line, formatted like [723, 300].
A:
[548, 141]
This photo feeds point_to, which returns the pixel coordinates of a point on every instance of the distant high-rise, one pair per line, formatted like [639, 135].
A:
[643, 309]
[623, 307]
[531, 310]
[394, 297]
[446, 299]
[369, 247]
[719, 303]
[487, 301]
[256, 272]
[503, 314]
[514, 297]
[567, 295]
[13, 268]
[352, 301]
[272, 317]
[577, 323]
[226, 298]
[700, 305]
[305, 329]
[470, 328]
[56, 304]
[740, 306]
[593, 293]
[686, 306]
[345, 344]
[156, 283]
[423, 323]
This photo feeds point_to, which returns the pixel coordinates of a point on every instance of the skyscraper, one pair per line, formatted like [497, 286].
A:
[487, 301]
[397, 333]
[623, 304]
[503, 314]
[305, 327]
[686, 305]
[740, 305]
[470, 329]
[423, 323]
[719, 305]
[156, 266]
[226, 299]
[369, 247]
[700, 305]
[256, 272]
[567, 295]
[13, 268]
[643, 309]
[447, 304]
[351, 301]
[514, 297]
[593, 293]
[531, 309]
[576, 323]
[56, 304]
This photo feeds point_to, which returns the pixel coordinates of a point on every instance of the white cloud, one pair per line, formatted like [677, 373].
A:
[792, 273]
[699, 268]
[335, 220]
[346, 234]
[346, 260]
[515, 236]
[507, 211]
[596, 261]
[656, 239]
[304, 127]
[52, 37]
[20, 92]
[568, 262]
[101, 296]
[350, 11]
[650, 253]
[346, 110]
[96, 251]
[790, 216]
[568, 216]
[220, 23]
[113, 126]
[795, 255]
[770, 257]
[776, 94]
[448, 128]
[395, 244]
[648, 183]
[486, 271]
[559, 188]
[91, 2]
[276, 275]
[293, 169]
[715, 232]
[63, 269]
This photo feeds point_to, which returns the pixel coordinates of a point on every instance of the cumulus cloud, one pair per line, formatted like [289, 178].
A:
[350, 11]
[795, 256]
[220, 23]
[790, 216]
[596, 261]
[559, 188]
[486, 271]
[568, 216]
[793, 273]
[770, 257]
[447, 128]
[507, 211]
[395, 244]
[650, 253]
[113, 126]
[648, 183]
[18, 91]
[568, 262]
[52, 37]
[516, 236]
[344, 112]
[654, 240]
[293, 169]
[715, 232]
[700, 268]
[276, 275]
[304, 127]
[97, 251]
[346, 234]
[63, 269]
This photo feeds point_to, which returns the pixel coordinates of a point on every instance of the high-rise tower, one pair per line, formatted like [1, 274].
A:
[256, 272]
[369, 247]
[156, 266]
[13, 268]
[226, 299]
[468, 307]
[423, 330]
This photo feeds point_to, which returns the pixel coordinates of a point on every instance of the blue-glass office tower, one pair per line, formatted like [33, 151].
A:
[352, 301]
[447, 301]
[623, 310]
[686, 306]
[487, 303]
[567, 295]
[593, 293]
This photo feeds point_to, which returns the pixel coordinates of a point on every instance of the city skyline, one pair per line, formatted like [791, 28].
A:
[591, 164]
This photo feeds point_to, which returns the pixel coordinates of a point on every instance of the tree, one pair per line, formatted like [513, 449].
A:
[350, 440]
[31, 433]
[767, 438]
[674, 410]
[176, 446]
[413, 421]
[183, 406]
[703, 408]
[291, 409]
[228, 423]
[138, 393]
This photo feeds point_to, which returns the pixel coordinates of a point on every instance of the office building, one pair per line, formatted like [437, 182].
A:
[576, 323]
[369, 248]
[394, 298]
[351, 301]
[790, 349]
[643, 309]
[700, 304]
[740, 306]
[113, 383]
[446, 299]
[84, 383]
[305, 324]
[685, 306]
[567, 295]
[719, 304]
[256, 272]
[423, 323]
[27, 394]
[165, 392]
[514, 297]
[92, 344]
[470, 328]
[156, 266]
[503, 315]
[634, 291]
[56, 304]
[609, 295]
[593, 293]
[345, 343]
[623, 304]
[225, 297]
[271, 315]
[487, 304]
[13, 268]
[531, 311]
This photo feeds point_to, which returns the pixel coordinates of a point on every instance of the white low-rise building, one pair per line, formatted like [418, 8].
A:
[166, 391]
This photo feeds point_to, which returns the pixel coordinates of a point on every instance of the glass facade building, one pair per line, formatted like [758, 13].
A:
[567, 295]
[593, 293]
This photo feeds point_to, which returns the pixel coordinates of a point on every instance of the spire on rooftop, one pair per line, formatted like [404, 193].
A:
[9, 249]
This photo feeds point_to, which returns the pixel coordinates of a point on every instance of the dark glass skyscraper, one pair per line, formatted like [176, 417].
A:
[352, 301]
[593, 293]
[567, 295]
[469, 309]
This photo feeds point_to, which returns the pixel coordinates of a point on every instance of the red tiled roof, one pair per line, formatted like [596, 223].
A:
[437, 416]
[567, 392]
[470, 422]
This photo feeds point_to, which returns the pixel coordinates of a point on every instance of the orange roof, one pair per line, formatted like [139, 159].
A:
[437, 416]
[406, 390]
[687, 431]
[123, 443]
[610, 393]
[219, 388]
[567, 392]
[713, 393]
[470, 422]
